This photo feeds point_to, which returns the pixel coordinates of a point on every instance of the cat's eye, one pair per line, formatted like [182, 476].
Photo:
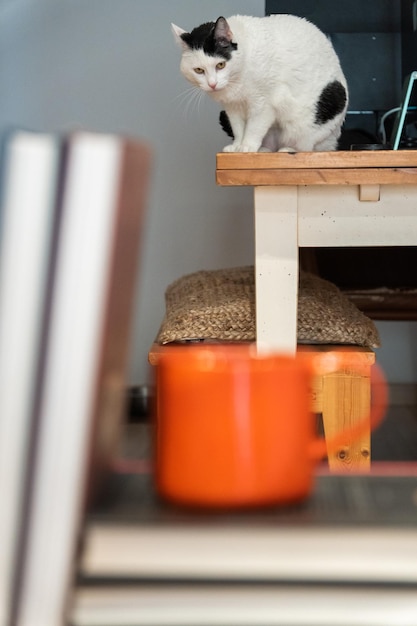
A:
[221, 65]
[198, 70]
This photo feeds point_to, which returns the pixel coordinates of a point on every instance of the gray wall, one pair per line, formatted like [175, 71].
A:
[111, 65]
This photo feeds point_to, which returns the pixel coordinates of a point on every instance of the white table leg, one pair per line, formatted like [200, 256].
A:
[276, 268]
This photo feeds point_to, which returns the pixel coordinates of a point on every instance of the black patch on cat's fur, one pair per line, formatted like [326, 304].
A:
[331, 102]
[225, 124]
[204, 37]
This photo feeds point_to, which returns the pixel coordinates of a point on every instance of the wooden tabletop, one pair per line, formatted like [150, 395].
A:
[365, 167]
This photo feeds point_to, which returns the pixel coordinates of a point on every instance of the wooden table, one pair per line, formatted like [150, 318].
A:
[317, 199]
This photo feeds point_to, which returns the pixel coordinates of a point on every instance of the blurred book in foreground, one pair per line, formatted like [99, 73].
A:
[28, 218]
[83, 361]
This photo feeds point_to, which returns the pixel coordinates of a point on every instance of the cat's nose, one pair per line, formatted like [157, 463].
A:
[212, 84]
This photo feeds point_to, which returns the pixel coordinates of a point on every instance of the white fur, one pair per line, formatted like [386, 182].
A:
[270, 86]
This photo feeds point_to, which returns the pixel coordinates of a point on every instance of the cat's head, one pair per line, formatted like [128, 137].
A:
[208, 54]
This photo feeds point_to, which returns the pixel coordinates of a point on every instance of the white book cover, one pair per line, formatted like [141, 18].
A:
[84, 379]
[354, 529]
[220, 604]
[27, 223]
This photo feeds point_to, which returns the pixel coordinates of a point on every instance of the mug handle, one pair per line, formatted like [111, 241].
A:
[320, 447]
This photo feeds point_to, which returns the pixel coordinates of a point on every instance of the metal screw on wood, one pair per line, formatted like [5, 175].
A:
[343, 454]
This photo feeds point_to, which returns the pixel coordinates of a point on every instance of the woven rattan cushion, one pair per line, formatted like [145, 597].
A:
[219, 305]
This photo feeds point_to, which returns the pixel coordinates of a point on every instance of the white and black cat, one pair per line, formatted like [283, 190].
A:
[278, 78]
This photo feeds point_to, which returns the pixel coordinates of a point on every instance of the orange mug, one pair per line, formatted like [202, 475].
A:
[235, 428]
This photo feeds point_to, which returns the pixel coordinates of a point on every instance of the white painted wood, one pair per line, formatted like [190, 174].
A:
[289, 217]
[276, 268]
[335, 216]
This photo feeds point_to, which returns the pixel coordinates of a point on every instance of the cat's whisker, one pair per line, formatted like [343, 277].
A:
[184, 103]
[183, 95]
[188, 99]
[193, 101]
[188, 104]
[198, 101]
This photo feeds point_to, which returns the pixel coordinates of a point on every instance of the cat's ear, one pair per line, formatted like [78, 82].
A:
[177, 32]
[222, 32]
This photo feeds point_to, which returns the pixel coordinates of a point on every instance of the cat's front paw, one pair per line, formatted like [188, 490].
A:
[249, 147]
[287, 149]
[231, 147]
[235, 147]
[241, 147]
